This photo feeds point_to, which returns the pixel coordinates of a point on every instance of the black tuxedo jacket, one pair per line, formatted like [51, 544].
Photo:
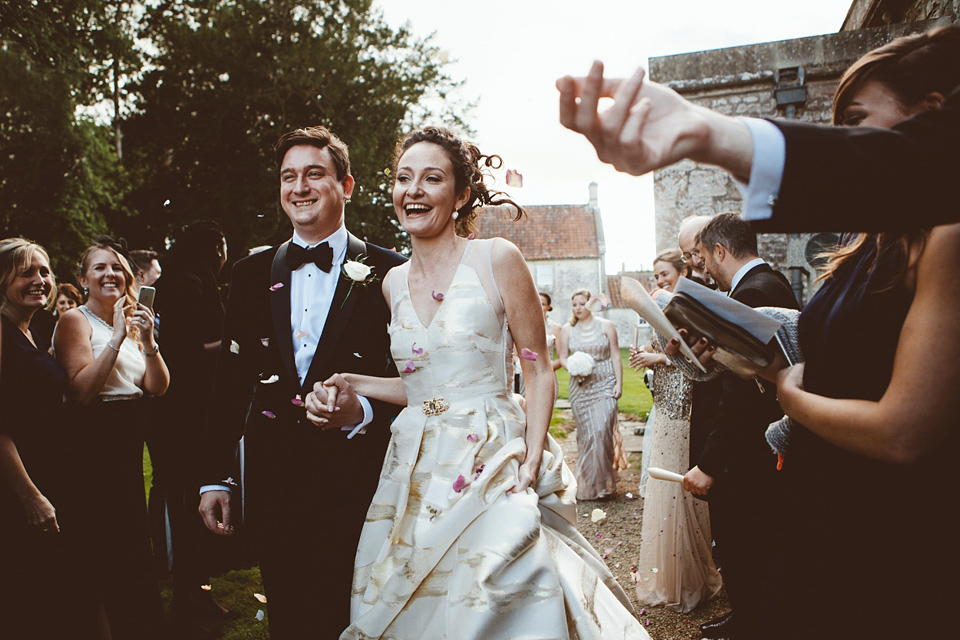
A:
[737, 446]
[868, 179]
[289, 461]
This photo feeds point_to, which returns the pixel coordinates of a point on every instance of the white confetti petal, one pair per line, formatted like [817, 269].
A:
[234, 347]
[597, 515]
[271, 379]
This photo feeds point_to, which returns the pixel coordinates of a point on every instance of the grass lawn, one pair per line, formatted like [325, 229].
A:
[235, 589]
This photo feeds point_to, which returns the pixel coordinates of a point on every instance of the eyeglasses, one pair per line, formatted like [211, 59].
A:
[688, 255]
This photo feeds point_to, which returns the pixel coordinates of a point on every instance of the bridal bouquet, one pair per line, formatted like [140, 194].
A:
[580, 365]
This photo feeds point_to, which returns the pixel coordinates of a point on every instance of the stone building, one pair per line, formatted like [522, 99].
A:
[785, 79]
[562, 244]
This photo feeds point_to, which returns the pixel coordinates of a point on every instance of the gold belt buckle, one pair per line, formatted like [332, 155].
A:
[435, 406]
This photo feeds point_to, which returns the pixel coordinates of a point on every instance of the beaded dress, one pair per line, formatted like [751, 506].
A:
[445, 551]
[595, 412]
[675, 567]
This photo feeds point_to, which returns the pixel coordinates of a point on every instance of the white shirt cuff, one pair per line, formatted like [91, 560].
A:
[766, 173]
[367, 418]
[214, 487]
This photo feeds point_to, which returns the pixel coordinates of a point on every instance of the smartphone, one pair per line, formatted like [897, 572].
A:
[147, 294]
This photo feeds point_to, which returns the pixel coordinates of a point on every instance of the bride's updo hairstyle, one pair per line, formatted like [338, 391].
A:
[469, 170]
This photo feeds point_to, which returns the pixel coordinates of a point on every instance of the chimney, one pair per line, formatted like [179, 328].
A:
[593, 196]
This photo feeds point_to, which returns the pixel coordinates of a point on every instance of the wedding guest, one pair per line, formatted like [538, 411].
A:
[68, 297]
[689, 228]
[42, 585]
[798, 177]
[108, 350]
[146, 265]
[471, 532]
[553, 334]
[191, 314]
[593, 397]
[865, 474]
[736, 468]
[675, 567]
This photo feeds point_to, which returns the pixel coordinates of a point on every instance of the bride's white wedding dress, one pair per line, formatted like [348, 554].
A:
[445, 552]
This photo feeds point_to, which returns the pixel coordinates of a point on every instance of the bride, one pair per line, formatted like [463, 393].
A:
[471, 533]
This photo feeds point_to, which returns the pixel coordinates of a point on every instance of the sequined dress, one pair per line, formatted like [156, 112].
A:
[445, 552]
[595, 412]
[675, 567]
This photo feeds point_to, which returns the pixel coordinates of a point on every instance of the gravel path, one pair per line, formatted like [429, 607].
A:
[618, 537]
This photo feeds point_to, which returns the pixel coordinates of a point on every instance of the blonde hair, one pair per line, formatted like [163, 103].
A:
[578, 292]
[15, 255]
[128, 290]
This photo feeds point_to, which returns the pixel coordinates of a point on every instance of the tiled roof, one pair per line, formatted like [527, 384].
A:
[548, 232]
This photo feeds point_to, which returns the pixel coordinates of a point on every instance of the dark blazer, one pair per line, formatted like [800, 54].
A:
[737, 444]
[306, 489]
[867, 179]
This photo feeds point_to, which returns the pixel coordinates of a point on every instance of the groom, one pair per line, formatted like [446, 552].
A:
[295, 317]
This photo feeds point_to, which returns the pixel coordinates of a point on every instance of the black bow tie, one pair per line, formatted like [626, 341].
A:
[321, 255]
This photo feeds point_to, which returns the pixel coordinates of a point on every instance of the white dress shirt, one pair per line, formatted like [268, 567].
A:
[742, 271]
[766, 172]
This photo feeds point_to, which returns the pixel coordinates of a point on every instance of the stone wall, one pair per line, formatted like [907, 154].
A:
[864, 14]
[567, 276]
[742, 81]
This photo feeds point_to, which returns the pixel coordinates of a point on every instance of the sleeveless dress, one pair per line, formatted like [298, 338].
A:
[445, 552]
[595, 412]
[867, 548]
[675, 567]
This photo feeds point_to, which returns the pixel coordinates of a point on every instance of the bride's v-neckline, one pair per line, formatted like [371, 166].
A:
[445, 292]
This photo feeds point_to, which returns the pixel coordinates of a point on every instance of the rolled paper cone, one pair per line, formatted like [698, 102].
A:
[663, 474]
[640, 301]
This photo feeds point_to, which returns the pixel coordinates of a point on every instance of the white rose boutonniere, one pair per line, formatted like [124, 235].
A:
[356, 273]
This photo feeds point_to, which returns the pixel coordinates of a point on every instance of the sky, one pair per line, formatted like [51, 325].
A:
[509, 54]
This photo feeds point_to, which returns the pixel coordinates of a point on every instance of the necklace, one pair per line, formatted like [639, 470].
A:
[585, 328]
[101, 320]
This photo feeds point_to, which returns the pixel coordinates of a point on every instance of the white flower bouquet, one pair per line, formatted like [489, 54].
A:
[580, 364]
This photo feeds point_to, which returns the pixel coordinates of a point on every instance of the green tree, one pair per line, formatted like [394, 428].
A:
[231, 76]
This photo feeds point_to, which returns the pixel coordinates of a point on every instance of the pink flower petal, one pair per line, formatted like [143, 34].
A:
[300, 334]
[297, 401]
[437, 296]
[473, 438]
[514, 178]
[279, 285]
[471, 236]
[416, 351]
[608, 550]
[526, 354]
[269, 414]
[408, 367]
[642, 611]
[406, 324]
[646, 623]
[460, 484]
[599, 535]
[265, 342]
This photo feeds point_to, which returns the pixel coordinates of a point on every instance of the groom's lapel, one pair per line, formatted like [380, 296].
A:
[280, 306]
[340, 310]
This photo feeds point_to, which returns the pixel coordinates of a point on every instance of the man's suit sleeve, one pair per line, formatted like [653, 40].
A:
[868, 179]
[232, 392]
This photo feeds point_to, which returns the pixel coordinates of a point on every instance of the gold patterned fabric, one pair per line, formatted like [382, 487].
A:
[445, 551]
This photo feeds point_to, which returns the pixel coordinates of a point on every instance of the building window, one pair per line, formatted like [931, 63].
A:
[544, 275]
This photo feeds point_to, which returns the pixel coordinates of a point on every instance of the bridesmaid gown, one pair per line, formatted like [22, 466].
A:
[595, 412]
[675, 567]
[445, 552]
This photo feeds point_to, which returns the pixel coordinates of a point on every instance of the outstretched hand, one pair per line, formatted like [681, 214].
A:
[333, 403]
[650, 126]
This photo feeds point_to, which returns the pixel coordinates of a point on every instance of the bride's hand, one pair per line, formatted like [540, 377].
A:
[333, 403]
[527, 475]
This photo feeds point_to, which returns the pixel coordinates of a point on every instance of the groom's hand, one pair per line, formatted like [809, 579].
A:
[213, 504]
[333, 404]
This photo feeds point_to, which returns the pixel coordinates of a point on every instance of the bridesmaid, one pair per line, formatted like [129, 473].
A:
[675, 567]
[108, 350]
[593, 398]
[41, 587]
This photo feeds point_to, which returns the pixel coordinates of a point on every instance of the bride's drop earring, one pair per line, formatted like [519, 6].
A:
[456, 214]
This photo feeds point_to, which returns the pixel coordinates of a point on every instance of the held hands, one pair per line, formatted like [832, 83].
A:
[333, 403]
[215, 510]
[648, 127]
